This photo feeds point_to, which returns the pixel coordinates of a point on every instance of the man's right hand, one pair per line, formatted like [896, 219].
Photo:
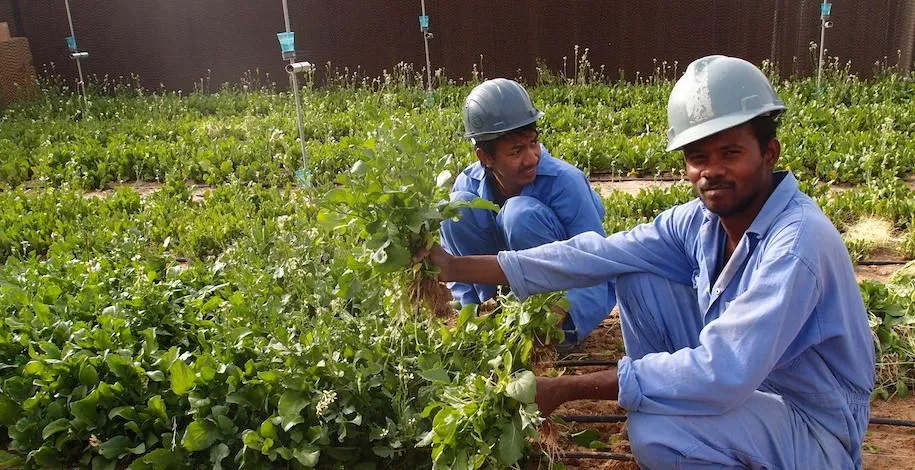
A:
[438, 257]
[481, 269]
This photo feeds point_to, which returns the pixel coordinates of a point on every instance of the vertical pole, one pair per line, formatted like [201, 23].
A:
[79, 67]
[822, 45]
[428, 62]
[295, 89]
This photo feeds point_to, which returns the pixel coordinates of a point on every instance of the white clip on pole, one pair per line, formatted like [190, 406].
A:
[299, 67]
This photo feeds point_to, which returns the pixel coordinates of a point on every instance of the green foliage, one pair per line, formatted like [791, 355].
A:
[263, 326]
[851, 131]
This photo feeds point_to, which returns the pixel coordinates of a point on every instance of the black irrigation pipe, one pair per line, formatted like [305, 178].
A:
[621, 418]
[597, 455]
[594, 419]
[893, 422]
[881, 262]
[585, 363]
[609, 177]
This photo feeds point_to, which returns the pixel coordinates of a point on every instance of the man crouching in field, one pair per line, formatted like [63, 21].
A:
[746, 337]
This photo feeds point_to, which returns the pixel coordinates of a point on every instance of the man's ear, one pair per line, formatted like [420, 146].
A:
[773, 152]
[485, 159]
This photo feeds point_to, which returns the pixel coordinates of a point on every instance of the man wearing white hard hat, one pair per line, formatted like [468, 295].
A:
[747, 342]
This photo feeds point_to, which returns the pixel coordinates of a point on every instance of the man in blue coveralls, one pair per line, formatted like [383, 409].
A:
[542, 199]
[746, 337]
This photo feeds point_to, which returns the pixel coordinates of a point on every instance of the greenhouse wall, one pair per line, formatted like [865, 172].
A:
[180, 44]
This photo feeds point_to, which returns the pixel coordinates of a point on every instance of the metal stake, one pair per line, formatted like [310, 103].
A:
[825, 10]
[79, 67]
[298, 105]
[426, 36]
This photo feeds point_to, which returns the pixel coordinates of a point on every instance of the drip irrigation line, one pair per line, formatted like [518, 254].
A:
[882, 262]
[594, 419]
[622, 418]
[615, 178]
[585, 363]
[597, 455]
[893, 422]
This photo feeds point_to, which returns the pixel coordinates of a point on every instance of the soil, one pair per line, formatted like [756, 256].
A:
[629, 186]
[885, 448]
[145, 188]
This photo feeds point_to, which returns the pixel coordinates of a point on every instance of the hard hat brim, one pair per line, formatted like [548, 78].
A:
[714, 126]
[493, 135]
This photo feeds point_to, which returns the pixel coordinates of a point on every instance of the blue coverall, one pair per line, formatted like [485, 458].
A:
[771, 365]
[558, 204]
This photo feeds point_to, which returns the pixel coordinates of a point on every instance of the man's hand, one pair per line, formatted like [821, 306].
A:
[482, 269]
[552, 392]
[438, 257]
[549, 395]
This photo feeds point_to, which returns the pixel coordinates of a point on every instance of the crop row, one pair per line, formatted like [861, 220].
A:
[851, 131]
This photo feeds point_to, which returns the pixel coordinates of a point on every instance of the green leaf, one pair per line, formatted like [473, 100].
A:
[292, 402]
[88, 376]
[55, 427]
[8, 460]
[523, 387]
[160, 459]
[199, 435]
[511, 444]
[114, 447]
[584, 438]
[307, 455]
[182, 377]
[217, 454]
[9, 411]
[121, 366]
[443, 178]
[85, 409]
[435, 375]
[395, 257]
[478, 203]
[460, 461]
[902, 390]
[157, 407]
[359, 168]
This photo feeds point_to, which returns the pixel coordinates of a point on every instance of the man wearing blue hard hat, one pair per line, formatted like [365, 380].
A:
[542, 199]
[747, 341]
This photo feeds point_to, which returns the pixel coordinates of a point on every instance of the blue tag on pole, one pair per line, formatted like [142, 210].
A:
[71, 43]
[825, 9]
[303, 177]
[287, 41]
[424, 22]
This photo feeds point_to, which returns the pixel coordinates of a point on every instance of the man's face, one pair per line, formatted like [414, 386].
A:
[514, 163]
[729, 172]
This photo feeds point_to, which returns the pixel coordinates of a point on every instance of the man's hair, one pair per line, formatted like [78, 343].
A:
[489, 146]
[764, 128]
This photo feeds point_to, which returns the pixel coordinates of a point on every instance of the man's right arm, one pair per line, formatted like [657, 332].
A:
[479, 269]
[582, 261]
[663, 247]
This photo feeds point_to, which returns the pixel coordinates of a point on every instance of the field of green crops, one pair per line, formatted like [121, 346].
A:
[269, 325]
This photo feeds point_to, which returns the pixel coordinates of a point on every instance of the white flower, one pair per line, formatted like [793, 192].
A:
[327, 399]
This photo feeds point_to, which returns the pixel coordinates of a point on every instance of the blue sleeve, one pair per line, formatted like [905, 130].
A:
[662, 247]
[736, 351]
[579, 209]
